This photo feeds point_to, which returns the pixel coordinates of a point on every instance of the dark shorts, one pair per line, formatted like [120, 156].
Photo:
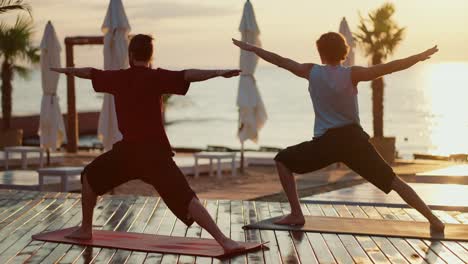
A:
[348, 144]
[127, 162]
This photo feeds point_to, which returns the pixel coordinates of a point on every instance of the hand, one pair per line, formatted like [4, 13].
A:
[229, 73]
[62, 70]
[428, 53]
[243, 45]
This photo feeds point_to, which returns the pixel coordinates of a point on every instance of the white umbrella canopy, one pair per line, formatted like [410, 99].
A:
[51, 125]
[346, 32]
[252, 113]
[115, 29]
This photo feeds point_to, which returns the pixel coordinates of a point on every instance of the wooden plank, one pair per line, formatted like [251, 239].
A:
[333, 241]
[138, 226]
[75, 252]
[166, 227]
[91, 254]
[462, 217]
[400, 244]
[453, 246]
[152, 226]
[111, 224]
[52, 252]
[179, 230]
[23, 248]
[16, 229]
[438, 247]
[212, 208]
[16, 212]
[253, 235]
[11, 206]
[25, 218]
[223, 222]
[349, 241]
[301, 242]
[286, 246]
[418, 245]
[321, 250]
[383, 243]
[273, 255]
[365, 242]
[193, 231]
[237, 233]
[130, 213]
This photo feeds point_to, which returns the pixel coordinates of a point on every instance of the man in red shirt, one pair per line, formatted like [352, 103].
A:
[144, 152]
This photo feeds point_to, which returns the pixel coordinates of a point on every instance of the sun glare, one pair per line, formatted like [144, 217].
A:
[446, 92]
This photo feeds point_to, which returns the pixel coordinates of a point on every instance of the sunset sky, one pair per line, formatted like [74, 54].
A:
[197, 33]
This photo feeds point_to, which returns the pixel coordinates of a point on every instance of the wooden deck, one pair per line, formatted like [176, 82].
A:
[24, 213]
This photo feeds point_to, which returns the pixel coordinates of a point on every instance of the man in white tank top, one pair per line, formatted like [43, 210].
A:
[338, 136]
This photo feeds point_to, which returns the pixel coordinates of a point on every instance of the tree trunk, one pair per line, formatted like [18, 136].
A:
[7, 75]
[377, 102]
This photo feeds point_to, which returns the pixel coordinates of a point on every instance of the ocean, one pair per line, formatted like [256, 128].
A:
[425, 109]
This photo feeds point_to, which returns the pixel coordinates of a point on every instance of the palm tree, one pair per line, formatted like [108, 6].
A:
[379, 35]
[8, 5]
[15, 46]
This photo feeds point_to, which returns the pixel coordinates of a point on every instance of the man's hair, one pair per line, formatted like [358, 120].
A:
[141, 47]
[332, 47]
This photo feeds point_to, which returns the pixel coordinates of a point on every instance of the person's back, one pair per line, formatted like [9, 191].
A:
[138, 95]
[333, 96]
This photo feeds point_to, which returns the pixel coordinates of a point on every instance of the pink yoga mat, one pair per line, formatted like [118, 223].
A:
[148, 243]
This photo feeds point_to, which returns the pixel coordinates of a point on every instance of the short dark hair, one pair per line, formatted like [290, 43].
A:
[141, 47]
[332, 47]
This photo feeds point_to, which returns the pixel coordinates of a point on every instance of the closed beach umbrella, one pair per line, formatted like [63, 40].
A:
[115, 29]
[346, 32]
[252, 113]
[51, 125]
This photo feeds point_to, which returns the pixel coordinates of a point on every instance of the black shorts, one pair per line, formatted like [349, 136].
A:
[348, 144]
[127, 162]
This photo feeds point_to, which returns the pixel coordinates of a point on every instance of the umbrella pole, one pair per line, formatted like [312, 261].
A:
[242, 159]
[48, 156]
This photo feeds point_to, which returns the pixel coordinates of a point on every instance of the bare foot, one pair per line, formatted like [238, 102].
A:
[437, 227]
[291, 220]
[231, 247]
[81, 234]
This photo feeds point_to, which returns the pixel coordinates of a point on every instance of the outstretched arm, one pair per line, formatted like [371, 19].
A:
[359, 74]
[84, 73]
[299, 69]
[202, 75]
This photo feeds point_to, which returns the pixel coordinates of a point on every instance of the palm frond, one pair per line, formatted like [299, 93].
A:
[10, 5]
[22, 71]
[16, 44]
[378, 34]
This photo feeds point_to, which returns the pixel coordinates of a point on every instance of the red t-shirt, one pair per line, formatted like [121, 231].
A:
[138, 101]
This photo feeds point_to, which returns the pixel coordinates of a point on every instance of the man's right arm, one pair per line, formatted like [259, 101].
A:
[84, 73]
[359, 74]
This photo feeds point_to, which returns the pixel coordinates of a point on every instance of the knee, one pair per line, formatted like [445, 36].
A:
[194, 204]
[398, 185]
[86, 188]
[280, 165]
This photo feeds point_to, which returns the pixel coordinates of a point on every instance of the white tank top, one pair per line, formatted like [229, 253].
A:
[334, 98]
